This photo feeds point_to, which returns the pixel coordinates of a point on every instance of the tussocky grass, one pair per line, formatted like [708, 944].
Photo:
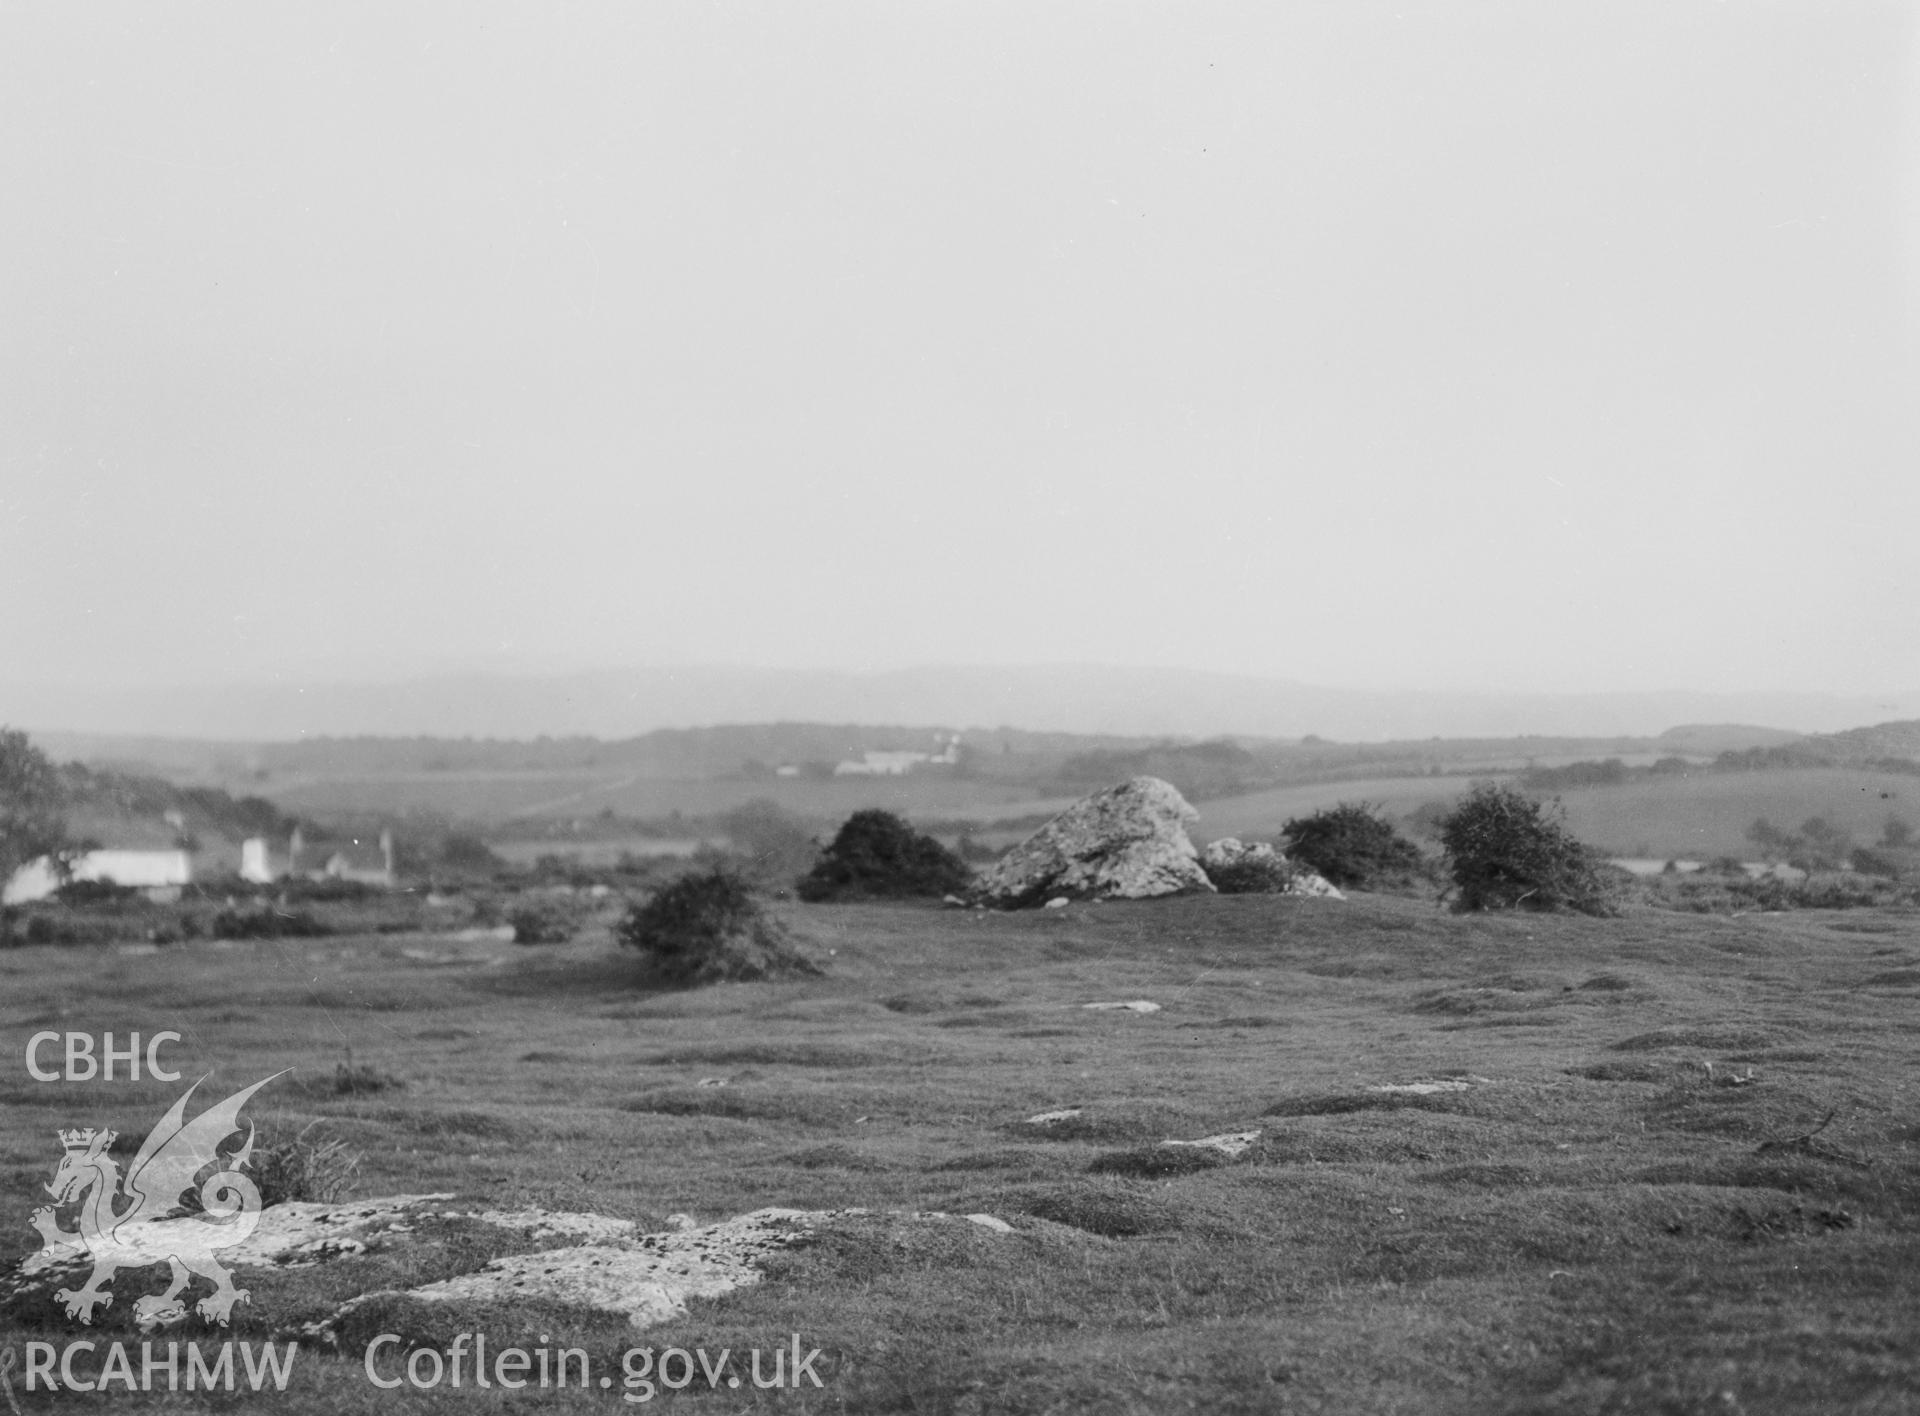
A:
[1596, 1221]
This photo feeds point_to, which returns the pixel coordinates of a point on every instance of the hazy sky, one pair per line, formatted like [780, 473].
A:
[1538, 346]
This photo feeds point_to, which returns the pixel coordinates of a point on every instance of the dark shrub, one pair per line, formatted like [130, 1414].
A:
[1251, 874]
[707, 927]
[878, 856]
[266, 923]
[552, 920]
[1354, 847]
[81, 893]
[1871, 862]
[1508, 851]
[328, 890]
[1610, 773]
[465, 853]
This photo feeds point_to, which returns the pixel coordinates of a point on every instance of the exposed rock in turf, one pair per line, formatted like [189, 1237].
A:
[1256, 868]
[1168, 1159]
[645, 1278]
[547, 1224]
[1228, 1143]
[291, 1235]
[989, 1221]
[599, 1262]
[1128, 842]
[1052, 1118]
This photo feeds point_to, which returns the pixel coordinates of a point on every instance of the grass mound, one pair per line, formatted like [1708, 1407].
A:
[1626, 1072]
[1108, 1126]
[1110, 1211]
[1016, 1158]
[1157, 1162]
[744, 1104]
[1712, 1039]
[832, 1156]
[1346, 1103]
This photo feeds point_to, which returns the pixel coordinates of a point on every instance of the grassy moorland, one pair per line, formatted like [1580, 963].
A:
[1260, 815]
[497, 796]
[1595, 1223]
[1706, 814]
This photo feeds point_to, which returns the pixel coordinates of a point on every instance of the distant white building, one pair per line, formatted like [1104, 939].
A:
[364, 861]
[255, 863]
[881, 764]
[151, 870]
[898, 764]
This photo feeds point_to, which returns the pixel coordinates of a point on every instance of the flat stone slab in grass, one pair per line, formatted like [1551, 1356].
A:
[600, 1262]
[1052, 1118]
[1430, 1088]
[290, 1235]
[550, 1224]
[647, 1278]
[1228, 1143]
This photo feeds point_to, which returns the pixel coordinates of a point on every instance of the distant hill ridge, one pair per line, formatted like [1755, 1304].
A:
[1894, 745]
[1105, 699]
[1883, 740]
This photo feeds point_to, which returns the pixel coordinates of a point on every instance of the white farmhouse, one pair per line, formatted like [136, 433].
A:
[898, 764]
[151, 870]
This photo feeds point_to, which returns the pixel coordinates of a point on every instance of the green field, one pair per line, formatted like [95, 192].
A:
[499, 796]
[1591, 1221]
[1260, 815]
[1706, 814]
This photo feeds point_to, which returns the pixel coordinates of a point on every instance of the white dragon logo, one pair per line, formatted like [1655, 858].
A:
[153, 1228]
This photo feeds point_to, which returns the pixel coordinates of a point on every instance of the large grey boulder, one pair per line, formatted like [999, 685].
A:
[1126, 843]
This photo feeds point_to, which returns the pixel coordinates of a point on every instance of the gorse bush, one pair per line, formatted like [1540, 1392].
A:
[878, 856]
[301, 1169]
[1354, 847]
[551, 919]
[1507, 851]
[707, 927]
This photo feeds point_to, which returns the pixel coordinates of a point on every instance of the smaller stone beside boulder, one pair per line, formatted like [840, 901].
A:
[1256, 868]
[1126, 843]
